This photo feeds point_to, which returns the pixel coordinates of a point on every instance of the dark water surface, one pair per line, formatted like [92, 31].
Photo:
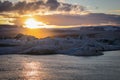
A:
[60, 67]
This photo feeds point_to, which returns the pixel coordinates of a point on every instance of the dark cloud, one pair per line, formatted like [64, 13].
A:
[50, 5]
[90, 19]
[5, 6]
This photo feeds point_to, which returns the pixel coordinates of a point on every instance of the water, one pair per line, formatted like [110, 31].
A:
[60, 67]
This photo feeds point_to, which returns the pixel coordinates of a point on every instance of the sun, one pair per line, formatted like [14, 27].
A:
[32, 23]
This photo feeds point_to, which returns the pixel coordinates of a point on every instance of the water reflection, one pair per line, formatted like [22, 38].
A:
[34, 71]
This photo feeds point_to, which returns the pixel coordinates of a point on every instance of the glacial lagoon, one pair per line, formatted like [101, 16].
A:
[60, 67]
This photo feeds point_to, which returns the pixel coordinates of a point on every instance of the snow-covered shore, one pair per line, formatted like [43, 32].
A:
[24, 44]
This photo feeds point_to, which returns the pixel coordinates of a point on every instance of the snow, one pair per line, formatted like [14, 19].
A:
[69, 46]
[84, 41]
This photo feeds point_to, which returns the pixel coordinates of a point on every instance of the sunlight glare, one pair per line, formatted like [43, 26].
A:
[32, 23]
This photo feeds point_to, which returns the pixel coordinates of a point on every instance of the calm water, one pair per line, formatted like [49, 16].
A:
[60, 67]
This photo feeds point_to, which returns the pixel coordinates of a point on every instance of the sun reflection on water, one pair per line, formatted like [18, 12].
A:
[34, 71]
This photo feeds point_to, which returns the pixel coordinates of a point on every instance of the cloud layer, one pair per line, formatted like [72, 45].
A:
[40, 6]
[62, 13]
[90, 19]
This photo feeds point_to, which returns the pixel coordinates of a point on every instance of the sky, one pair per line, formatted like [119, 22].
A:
[99, 6]
[61, 12]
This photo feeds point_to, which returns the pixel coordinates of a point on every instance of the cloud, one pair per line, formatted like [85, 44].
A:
[29, 0]
[5, 6]
[74, 20]
[4, 20]
[115, 10]
[39, 5]
[61, 13]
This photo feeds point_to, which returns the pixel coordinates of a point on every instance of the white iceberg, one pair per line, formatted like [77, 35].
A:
[72, 46]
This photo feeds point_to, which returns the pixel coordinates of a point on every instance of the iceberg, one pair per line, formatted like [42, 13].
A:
[24, 44]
